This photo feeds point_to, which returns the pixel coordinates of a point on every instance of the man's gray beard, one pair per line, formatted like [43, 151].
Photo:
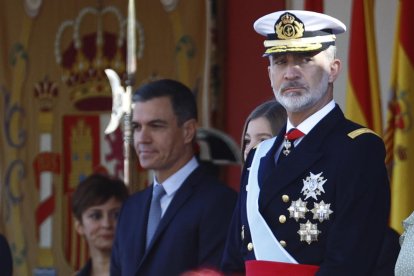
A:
[294, 103]
[301, 102]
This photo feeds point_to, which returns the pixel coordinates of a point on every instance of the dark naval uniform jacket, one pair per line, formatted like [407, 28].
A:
[337, 176]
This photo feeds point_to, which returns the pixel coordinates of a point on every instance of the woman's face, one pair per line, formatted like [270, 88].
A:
[257, 131]
[98, 224]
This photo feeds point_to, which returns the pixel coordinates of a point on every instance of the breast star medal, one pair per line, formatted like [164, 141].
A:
[313, 185]
[297, 209]
[308, 232]
[321, 211]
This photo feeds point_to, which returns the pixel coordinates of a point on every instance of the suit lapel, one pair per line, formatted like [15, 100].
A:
[180, 198]
[298, 161]
[141, 223]
[267, 162]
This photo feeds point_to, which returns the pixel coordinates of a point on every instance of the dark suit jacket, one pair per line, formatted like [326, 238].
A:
[191, 234]
[356, 188]
[6, 261]
[86, 269]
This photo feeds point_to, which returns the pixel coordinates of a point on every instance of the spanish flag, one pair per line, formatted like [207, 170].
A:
[399, 137]
[363, 103]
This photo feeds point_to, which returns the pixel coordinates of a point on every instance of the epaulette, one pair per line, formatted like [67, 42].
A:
[359, 131]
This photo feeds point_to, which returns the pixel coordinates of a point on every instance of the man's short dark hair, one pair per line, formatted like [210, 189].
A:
[182, 99]
[97, 189]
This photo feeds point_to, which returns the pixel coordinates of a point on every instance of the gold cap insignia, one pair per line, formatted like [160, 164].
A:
[289, 27]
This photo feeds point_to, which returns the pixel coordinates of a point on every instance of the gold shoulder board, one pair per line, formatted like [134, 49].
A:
[357, 132]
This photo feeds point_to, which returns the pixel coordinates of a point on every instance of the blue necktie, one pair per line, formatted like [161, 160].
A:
[154, 212]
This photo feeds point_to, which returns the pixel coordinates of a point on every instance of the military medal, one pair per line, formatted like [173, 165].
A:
[291, 136]
[313, 186]
[287, 145]
[298, 209]
[308, 232]
[321, 211]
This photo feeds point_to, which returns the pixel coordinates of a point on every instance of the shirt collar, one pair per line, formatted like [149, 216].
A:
[174, 182]
[310, 122]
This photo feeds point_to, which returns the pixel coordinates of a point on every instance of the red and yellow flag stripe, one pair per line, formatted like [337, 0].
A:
[363, 102]
[399, 136]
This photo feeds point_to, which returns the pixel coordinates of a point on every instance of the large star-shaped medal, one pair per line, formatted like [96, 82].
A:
[308, 232]
[321, 211]
[298, 209]
[313, 185]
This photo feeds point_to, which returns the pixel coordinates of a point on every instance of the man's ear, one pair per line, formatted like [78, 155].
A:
[335, 69]
[79, 227]
[189, 130]
[269, 71]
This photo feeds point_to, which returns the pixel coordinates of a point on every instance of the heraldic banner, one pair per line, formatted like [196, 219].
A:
[56, 101]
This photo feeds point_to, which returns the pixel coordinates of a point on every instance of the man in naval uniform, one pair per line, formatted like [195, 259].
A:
[315, 199]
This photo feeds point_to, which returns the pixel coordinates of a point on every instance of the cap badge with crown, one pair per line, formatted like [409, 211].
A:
[297, 31]
[288, 27]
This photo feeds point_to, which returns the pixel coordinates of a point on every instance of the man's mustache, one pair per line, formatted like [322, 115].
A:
[290, 85]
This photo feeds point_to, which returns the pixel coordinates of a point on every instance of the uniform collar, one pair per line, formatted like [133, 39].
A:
[307, 125]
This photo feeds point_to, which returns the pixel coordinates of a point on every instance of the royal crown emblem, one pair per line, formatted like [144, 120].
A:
[289, 27]
[287, 18]
[46, 92]
[87, 45]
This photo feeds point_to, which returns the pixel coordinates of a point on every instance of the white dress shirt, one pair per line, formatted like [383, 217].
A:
[174, 182]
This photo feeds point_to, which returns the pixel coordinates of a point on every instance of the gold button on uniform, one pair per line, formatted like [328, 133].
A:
[285, 198]
[250, 246]
[282, 243]
[282, 219]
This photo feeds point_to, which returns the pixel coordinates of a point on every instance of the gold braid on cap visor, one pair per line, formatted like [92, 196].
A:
[297, 45]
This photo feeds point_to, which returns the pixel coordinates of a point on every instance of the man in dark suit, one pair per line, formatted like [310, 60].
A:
[195, 208]
[315, 199]
[6, 261]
